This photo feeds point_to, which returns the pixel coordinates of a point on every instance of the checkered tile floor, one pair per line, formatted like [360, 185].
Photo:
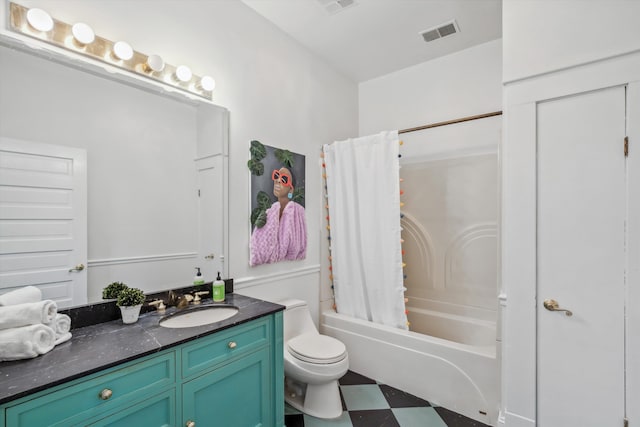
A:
[367, 404]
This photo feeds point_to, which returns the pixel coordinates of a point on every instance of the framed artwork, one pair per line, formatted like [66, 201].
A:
[278, 224]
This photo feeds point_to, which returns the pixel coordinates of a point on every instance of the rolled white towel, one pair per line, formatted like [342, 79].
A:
[25, 342]
[62, 338]
[21, 296]
[13, 316]
[61, 324]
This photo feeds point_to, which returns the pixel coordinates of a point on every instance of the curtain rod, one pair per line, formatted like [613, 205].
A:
[451, 122]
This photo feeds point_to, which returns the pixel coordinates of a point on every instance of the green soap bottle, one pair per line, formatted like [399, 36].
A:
[198, 279]
[218, 289]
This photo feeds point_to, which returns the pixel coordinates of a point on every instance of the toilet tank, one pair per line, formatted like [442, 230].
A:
[296, 319]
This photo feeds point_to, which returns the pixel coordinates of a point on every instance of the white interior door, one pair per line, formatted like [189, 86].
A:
[43, 220]
[581, 226]
[210, 217]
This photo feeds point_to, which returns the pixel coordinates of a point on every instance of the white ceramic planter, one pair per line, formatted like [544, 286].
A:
[130, 313]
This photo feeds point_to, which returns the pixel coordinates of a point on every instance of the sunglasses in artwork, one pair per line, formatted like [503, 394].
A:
[284, 177]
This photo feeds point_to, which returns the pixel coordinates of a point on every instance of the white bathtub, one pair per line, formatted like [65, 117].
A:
[462, 324]
[460, 373]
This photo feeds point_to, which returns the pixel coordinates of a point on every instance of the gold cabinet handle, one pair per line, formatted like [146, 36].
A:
[210, 256]
[105, 394]
[78, 267]
[190, 424]
[232, 345]
[552, 305]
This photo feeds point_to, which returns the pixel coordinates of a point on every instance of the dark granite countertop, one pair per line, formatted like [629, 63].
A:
[104, 345]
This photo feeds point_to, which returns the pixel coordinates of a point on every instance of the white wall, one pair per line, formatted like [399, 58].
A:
[275, 90]
[462, 84]
[542, 36]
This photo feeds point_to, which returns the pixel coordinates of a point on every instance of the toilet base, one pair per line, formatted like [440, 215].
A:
[318, 400]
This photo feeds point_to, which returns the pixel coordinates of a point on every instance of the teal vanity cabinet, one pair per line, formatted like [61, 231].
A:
[231, 378]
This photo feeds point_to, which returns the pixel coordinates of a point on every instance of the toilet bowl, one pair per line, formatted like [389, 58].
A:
[313, 363]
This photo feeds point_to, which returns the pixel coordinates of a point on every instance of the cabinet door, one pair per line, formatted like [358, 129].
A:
[237, 394]
[157, 411]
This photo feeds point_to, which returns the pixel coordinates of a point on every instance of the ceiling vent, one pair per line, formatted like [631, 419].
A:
[442, 30]
[335, 6]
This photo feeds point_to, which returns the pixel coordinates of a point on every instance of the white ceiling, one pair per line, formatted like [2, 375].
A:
[376, 37]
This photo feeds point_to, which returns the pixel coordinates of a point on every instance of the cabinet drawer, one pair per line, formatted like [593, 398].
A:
[209, 352]
[83, 399]
[158, 410]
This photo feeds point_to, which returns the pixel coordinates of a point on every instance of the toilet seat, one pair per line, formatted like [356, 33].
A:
[316, 348]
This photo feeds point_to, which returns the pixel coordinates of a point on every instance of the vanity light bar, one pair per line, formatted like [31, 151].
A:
[80, 38]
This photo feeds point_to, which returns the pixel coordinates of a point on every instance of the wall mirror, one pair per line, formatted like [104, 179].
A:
[154, 201]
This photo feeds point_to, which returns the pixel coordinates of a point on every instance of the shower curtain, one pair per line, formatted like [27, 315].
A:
[363, 191]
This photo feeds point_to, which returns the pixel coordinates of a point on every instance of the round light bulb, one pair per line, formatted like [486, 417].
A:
[123, 50]
[155, 63]
[207, 83]
[183, 73]
[40, 20]
[83, 33]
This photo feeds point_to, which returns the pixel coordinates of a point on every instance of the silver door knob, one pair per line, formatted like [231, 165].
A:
[552, 305]
[190, 424]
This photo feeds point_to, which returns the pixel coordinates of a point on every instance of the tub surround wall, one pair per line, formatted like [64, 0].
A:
[450, 225]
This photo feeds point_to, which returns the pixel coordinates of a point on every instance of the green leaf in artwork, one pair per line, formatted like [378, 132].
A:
[258, 151]
[256, 167]
[261, 220]
[264, 201]
[254, 215]
[298, 195]
[285, 157]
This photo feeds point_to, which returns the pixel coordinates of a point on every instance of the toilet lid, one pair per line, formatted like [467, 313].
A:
[316, 348]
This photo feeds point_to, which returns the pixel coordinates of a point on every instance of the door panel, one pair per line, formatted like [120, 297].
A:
[43, 225]
[236, 394]
[581, 199]
[210, 217]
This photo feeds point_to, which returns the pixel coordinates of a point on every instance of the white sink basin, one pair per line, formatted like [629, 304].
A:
[199, 317]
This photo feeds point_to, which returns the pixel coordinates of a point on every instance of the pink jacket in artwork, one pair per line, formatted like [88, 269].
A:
[282, 238]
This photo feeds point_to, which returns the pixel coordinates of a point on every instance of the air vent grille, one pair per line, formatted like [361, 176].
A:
[442, 30]
[335, 6]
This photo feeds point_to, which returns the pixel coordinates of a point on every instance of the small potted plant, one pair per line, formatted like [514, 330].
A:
[130, 301]
[113, 290]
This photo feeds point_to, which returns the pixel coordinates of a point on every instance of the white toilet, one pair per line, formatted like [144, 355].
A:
[313, 363]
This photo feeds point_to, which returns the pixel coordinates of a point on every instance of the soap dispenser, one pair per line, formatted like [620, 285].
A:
[198, 279]
[218, 289]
